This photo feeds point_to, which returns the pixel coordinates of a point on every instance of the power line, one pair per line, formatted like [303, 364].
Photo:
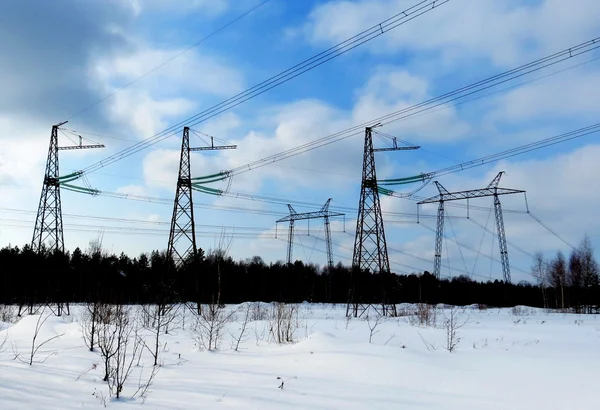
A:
[442, 100]
[281, 78]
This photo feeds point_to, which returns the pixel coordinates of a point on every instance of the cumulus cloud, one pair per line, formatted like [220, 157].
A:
[503, 32]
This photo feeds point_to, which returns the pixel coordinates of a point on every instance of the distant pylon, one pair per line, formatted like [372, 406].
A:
[491, 190]
[182, 237]
[370, 248]
[324, 213]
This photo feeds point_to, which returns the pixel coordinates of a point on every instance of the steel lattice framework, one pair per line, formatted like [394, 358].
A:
[322, 213]
[491, 190]
[182, 236]
[48, 229]
[48, 222]
[370, 248]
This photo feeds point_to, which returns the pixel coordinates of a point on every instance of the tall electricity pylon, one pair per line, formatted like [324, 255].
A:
[295, 216]
[48, 222]
[491, 190]
[182, 236]
[370, 248]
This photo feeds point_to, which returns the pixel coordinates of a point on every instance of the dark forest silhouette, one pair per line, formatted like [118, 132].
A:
[28, 278]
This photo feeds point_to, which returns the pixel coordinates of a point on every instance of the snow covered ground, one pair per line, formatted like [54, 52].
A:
[505, 359]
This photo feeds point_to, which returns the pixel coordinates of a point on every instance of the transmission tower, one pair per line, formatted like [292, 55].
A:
[182, 236]
[491, 190]
[370, 248]
[48, 230]
[48, 222]
[322, 213]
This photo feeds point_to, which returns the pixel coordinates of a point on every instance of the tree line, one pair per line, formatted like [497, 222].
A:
[28, 277]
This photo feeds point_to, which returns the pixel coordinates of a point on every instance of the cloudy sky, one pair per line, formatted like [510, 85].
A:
[124, 70]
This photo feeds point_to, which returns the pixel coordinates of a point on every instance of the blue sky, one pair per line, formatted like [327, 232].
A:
[52, 71]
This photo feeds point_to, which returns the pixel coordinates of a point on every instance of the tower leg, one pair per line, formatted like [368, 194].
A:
[290, 248]
[439, 236]
[502, 239]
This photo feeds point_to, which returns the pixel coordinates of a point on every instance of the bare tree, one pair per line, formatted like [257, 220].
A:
[423, 315]
[452, 324]
[126, 349]
[373, 321]
[35, 344]
[219, 255]
[558, 276]
[89, 319]
[241, 337]
[157, 319]
[107, 335]
[210, 325]
[284, 322]
[539, 270]
[7, 313]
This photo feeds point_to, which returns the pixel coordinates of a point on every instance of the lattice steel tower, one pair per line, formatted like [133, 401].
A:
[324, 213]
[48, 222]
[182, 236]
[491, 190]
[370, 248]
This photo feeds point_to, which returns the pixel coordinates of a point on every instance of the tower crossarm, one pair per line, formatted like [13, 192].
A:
[473, 193]
[309, 215]
[214, 148]
[395, 149]
[81, 147]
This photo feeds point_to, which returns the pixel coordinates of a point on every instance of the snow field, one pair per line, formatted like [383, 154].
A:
[505, 359]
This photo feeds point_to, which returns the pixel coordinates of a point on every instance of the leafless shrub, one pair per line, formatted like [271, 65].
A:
[35, 344]
[259, 336]
[88, 320]
[259, 311]
[144, 386]
[520, 311]
[373, 321]
[157, 319]
[284, 322]
[423, 315]
[429, 346]
[125, 348]
[7, 314]
[100, 396]
[452, 324]
[93, 367]
[241, 337]
[210, 324]
[106, 338]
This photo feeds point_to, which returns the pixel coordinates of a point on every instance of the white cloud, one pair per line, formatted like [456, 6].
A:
[132, 190]
[503, 32]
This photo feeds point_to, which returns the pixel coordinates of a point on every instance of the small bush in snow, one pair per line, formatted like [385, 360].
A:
[284, 322]
[210, 324]
[521, 311]
[452, 324]
[423, 315]
[7, 314]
